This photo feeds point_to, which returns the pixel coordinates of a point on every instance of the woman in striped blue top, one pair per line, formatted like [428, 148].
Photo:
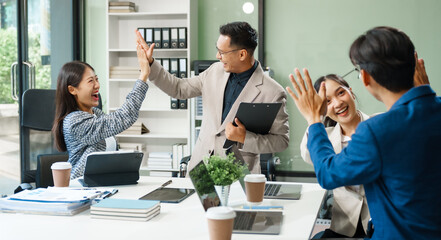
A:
[81, 128]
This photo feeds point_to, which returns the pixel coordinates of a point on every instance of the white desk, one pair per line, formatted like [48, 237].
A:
[185, 220]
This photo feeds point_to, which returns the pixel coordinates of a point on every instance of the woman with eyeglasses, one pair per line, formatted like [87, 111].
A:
[350, 213]
[80, 127]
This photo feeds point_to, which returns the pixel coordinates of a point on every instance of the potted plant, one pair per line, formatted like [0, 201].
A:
[224, 171]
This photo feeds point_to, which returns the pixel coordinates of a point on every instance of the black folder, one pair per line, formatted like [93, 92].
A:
[182, 37]
[182, 67]
[165, 37]
[157, 37]
[174, 37]
[142, 31]
[174, 68]
[149, 36]
[256, 117]
[112, 168]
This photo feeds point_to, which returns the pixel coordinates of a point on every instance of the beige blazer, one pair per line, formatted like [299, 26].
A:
[211, 85]
[348, 205]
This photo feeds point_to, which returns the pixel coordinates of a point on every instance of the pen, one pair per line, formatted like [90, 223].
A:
[165, 184]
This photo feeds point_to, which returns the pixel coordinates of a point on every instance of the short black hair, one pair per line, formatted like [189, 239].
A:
[387, 54]
[242, 35]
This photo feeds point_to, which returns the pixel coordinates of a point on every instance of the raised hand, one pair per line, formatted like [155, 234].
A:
[420, 77]
[310, 104]
[148, 50]
[144, 66]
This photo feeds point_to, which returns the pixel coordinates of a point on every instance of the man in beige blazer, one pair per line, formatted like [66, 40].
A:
[236, 45]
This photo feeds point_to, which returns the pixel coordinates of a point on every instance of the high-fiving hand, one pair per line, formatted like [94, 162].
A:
[148, 50]
[420, 77]
[310, 104]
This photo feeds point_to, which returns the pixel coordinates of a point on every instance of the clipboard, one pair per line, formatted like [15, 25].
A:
[256, 117]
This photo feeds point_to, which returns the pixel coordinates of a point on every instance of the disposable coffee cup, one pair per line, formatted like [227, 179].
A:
[220, 222]
[255, 188]
[61, 173]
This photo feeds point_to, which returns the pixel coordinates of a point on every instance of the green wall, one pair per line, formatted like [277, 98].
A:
[214, 13]
[317, 34]
[304, 33]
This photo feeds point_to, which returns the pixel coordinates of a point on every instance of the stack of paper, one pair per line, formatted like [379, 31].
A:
[52, 201]
[121, 7]
[125, 209]
[159, 160]
[123, 72]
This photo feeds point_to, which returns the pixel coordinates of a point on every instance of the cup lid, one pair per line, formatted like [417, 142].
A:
[220, 213]
[61, 165]
[255, 178]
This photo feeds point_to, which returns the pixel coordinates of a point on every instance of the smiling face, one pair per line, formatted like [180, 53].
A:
[229, 55]
[86, 94]
[341, 104]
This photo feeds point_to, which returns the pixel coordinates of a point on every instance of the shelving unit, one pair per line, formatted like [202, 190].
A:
[167, 126]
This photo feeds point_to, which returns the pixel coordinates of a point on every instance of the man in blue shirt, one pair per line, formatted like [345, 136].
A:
[396, 155]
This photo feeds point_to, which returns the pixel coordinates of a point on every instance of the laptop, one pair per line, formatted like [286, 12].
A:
[111, 168]
[246, 221]
[272, 190]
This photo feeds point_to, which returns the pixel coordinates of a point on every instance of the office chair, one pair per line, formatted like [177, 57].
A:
[183, 166]
[268, 164]
[37, 116]
[43, 177]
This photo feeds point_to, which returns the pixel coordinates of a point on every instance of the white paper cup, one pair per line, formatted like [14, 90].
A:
[255, 188]
[61, 173]
[220, 222]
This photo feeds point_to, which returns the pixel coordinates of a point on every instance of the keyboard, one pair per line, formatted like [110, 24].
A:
[272, 189]
[244, 220]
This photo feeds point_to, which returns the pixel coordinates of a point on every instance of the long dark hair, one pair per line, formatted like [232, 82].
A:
[70, 74]
[328, 122]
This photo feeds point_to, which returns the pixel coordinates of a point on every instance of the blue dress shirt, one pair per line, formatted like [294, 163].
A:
[236, 83]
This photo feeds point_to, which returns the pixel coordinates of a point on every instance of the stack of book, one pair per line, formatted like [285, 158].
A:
[124, 72]
[137, 128]
[159, 160]
[121, 7]
[125, 209]
[51, 201]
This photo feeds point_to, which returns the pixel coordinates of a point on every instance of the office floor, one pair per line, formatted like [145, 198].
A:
[9, 164]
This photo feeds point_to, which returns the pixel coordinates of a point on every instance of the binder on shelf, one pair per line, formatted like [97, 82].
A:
[166, 64]
[174, 103]
[166, 38]
[182, 37]
[174, 37]
[182, 103]
[142, 31]
[174, 66]
[157, 32]
[149, 36]
[182, 67]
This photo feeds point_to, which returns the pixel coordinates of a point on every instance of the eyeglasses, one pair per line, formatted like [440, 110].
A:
[357, 68]
[223, 53]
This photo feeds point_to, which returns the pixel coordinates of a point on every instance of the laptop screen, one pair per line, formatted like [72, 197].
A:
[204, 186]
